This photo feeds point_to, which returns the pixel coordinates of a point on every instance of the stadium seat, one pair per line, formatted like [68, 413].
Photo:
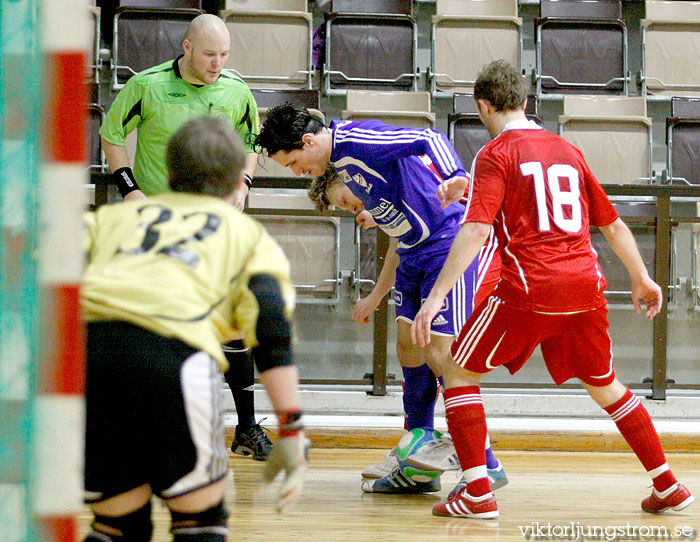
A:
[465, 130]
[95, 117]
[487, 30]
[93, 59]
[270, 42]
[405, 109]
[581, 48]
[312, 243]
[616, 275]
[695, 261]
[614, 134]
[267, 98]
[147, 33]
[670, 45]
[683, 141]
[371, 45]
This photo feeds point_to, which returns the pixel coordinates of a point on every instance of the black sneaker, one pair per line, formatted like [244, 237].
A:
[252, 441]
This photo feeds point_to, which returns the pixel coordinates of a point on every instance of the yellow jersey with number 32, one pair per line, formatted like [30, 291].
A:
[179, 264]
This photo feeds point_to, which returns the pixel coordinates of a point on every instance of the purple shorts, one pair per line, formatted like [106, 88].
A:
[415, 277]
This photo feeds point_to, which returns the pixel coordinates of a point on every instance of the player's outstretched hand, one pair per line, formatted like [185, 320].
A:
[365, 220]
[363, 309]
[291, 456]
[420, 328]
[452, 190]
[647, 290]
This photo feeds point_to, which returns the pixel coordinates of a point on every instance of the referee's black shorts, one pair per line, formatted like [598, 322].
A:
[153, 414]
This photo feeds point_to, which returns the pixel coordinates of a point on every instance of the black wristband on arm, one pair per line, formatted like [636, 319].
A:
[248, 180]
[125, 180]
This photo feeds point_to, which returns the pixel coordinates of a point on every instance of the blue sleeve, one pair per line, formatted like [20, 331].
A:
[375, 142]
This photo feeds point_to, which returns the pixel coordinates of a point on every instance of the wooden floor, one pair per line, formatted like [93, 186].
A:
[552, 490]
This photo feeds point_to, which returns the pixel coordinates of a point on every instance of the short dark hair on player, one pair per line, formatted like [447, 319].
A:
[318, 189]
[205, 156]
[502, 85]
[284, 126]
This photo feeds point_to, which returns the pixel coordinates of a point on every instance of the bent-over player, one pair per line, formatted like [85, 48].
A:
[392, 173]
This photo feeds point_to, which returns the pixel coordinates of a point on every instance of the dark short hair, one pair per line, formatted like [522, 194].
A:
[318, 189]
[283, 128]
[205, 156]
[502, 85]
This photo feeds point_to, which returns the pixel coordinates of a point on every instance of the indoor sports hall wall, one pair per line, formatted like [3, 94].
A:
[332, 350]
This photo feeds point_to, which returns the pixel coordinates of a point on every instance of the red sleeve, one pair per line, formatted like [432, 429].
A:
[487, 187]
[600, 211]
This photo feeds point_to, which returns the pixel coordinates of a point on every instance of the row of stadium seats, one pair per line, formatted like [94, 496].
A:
[581, 47]
[614, 133]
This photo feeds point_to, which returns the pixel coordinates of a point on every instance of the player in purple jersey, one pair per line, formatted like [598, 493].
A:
[393, 173]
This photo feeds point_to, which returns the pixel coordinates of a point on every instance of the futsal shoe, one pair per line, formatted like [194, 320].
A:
[438, 454]
[252, 441]
[385, 468]
[397, 483]
[676, 497]
[464, 505]
[497, 479]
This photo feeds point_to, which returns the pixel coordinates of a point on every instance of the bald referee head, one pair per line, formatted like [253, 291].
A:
[206, 45]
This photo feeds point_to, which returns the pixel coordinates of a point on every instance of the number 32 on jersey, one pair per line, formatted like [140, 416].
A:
[559, 198]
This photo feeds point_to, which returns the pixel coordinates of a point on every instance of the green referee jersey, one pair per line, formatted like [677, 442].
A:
[179, 265]
[158, 101]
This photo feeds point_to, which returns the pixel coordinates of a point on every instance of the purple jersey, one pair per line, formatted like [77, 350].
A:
[396, 172]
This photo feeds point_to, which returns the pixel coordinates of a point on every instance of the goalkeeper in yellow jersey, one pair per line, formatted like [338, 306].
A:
[169, 280]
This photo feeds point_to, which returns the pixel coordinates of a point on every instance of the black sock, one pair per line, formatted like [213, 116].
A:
[240, 377]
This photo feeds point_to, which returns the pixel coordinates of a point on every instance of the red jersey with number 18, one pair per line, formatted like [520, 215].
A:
[539, 193]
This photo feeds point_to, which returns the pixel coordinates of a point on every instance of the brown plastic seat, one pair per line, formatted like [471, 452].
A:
[581, 48]
[465, 130]
[683, 141]
[267, 98]
[370, 45]
[147, 33]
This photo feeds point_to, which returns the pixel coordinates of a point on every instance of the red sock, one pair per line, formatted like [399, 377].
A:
[635, 425]
[467, 424]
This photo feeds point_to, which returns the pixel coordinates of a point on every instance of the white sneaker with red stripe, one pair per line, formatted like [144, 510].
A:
[677, 497]
[464, 505]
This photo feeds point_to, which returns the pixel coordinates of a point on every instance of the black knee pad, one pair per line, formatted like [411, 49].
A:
[207, 526]
[135, 527]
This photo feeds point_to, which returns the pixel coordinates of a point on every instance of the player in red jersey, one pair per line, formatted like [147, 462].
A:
[540, 196]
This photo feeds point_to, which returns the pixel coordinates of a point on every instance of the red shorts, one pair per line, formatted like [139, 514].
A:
[573, 345]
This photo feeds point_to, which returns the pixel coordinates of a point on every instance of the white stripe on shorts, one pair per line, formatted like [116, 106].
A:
[200, 379]
[478, 327]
